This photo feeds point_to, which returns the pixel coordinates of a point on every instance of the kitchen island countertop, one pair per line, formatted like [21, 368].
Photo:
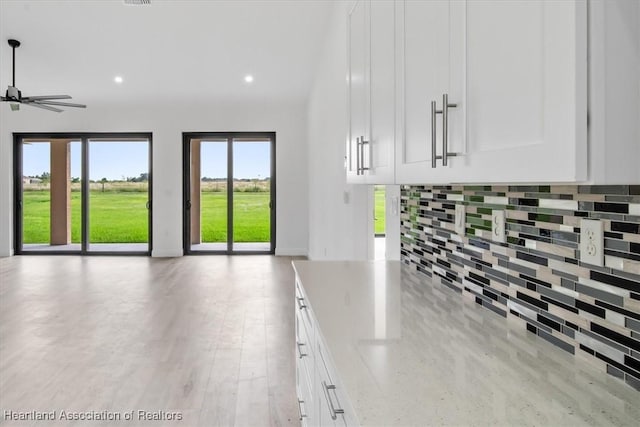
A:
[411, 351]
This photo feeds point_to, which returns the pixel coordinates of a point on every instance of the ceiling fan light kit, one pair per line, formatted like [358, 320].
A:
[14, 96]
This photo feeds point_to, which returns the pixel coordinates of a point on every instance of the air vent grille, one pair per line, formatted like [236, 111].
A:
[137, 2]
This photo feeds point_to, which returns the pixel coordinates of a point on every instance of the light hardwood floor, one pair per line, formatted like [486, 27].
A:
[208, 336]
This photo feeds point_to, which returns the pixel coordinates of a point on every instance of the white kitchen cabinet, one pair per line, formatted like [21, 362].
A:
[519, 83]
[358, 76]
[524, 92]
[371, 140]
[614, 91]
[322, 400]
[425, 71]
[333, 402]
[516, 73]
[305, 366]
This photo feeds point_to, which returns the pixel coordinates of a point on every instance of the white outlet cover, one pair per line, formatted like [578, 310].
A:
[498, 233]
[591, 242]
[460, 220]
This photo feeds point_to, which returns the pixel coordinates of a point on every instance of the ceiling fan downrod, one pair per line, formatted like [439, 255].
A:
[14, 44]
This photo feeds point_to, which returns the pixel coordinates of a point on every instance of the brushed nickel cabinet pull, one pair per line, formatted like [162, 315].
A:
[300, 353]
[302, 415]
[358, 156]
[332, 409]
[445, 129]
[362, 144]
[433, 134]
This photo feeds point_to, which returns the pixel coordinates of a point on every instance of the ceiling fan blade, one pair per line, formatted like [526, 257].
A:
[65, 104]
[44, 97]
[46, 107]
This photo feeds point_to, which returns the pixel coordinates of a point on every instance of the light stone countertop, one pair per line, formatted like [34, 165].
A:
[409, 351]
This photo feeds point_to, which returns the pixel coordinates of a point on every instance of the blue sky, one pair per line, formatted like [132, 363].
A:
[118, 160]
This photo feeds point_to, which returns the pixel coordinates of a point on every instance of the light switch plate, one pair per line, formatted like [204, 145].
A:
[460, 220]
[498, 233]
[591, 242]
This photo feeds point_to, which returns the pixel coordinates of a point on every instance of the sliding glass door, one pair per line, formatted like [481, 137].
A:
[229, 188]
[82, 193]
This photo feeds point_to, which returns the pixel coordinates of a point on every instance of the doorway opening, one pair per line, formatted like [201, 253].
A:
[379, 217]
[229, 192]
[384, 240]
[82, 193]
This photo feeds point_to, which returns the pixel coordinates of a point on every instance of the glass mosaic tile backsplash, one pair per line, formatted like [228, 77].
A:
[589, 311]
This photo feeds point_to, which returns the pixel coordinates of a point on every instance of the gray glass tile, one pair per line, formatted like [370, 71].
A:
[623, 199]
[633, 382]
[568, 331]
[566, 299]
[632, 324]
[615, 372]
[601, 295]
[557, 342]
[619, 245]
[603, 189]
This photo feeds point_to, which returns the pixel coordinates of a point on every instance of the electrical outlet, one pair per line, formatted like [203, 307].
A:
[497, 227]
[460, 220]
[591, 242]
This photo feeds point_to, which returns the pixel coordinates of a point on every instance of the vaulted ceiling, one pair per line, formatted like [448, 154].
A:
[178, 51]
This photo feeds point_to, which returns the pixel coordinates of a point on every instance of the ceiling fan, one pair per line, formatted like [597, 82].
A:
[14, 96]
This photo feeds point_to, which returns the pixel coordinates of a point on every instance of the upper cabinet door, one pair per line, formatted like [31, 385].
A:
[358, 74]
[525, 90]
[423, 76]
[381, 149]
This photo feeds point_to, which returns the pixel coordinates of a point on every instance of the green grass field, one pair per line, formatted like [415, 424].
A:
[379, 210]
[121, 217]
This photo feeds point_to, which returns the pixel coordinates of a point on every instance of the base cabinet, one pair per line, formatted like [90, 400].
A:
[322, 400]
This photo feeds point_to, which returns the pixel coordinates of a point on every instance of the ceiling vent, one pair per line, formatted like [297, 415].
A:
[137, 2]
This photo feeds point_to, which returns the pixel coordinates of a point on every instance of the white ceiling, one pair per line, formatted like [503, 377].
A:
[171, 51]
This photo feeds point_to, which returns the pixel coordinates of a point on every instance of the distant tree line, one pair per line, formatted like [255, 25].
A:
[208, 179]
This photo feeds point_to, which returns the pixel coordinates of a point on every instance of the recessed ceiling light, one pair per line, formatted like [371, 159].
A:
[248, 78]
[118, 79]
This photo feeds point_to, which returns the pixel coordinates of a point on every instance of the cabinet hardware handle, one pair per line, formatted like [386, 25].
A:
[301, 305]
[332, 409]
[300, 353]
[445, 129]
[362, 144]
[358, 156]
[433, 134]
[300, 402]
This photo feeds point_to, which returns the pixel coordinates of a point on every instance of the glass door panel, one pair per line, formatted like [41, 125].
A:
[209, 199]
[251, 195]
[50, 199]
[118, 196]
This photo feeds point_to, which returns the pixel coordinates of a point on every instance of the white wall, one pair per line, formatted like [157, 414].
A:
[167, 122]
[338, 216]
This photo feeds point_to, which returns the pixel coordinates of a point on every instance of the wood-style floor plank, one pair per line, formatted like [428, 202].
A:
[209, 337]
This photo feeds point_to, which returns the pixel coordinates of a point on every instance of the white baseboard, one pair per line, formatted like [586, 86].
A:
[166, 254]
[6, 254]
[291, 251]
